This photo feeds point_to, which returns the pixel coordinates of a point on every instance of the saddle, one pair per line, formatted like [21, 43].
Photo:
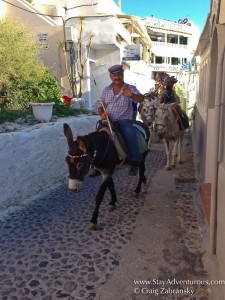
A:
[181, 116]
[142, 133]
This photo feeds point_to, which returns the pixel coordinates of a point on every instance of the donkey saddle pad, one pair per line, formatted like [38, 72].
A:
[142, 134]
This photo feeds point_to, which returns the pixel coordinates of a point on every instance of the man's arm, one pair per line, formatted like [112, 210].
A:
[136, 97]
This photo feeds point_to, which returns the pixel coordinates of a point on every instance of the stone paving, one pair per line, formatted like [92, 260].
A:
[164, 259]
[46, 251]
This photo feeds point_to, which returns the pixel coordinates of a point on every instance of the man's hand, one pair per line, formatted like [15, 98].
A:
[104, 116]
[138, 98]
[102, 113]
[127, 92]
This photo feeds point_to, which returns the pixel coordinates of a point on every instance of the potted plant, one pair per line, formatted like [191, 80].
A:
[44, 93]
[42, 111]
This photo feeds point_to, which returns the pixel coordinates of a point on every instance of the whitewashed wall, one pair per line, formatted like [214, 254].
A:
[33, 159]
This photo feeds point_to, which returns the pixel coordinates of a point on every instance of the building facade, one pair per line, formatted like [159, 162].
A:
[210, 135]
[80, 42]
[173, 44]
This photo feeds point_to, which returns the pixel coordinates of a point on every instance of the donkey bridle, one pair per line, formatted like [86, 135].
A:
[72, 157]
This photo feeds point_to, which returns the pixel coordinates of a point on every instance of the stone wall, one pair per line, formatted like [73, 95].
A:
[33, 159]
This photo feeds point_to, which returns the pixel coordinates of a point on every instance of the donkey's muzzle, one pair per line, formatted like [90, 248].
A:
[160, 134]
[74, 185]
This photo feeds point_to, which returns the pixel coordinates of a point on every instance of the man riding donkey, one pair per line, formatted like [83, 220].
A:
[170, 96]
[117, 106]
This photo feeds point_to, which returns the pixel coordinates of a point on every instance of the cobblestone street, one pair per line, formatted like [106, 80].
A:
[47, 252]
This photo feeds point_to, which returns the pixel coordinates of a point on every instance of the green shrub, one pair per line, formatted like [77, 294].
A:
[181, 93]
[23, 77]
[43, 89]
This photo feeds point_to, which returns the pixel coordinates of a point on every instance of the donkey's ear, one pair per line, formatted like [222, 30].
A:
[68, 133]
[82, 143]
[156, 102]
[140, 106]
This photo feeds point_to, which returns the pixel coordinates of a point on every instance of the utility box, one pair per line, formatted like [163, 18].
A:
[69, 33]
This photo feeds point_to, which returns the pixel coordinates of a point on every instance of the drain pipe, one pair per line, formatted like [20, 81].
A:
[218, 102]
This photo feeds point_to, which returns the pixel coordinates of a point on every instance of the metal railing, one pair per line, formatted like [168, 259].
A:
[171, 45]
[169, 25]
[165, 67]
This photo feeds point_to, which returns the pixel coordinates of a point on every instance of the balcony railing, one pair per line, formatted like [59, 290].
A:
[169, 25]
[171, 45]
[165, 67]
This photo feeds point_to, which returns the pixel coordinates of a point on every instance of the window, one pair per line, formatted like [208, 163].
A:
[175, 61]
[171, 38]
[183, 40]
[174, 40]
[159, 60]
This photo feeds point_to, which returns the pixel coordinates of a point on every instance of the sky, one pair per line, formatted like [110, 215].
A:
[173, 10]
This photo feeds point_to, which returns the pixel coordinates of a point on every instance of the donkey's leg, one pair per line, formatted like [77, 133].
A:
[142, 168]
[112, 203]
[142, 178]
[98, 201]
[174, 153]
[138, 187]
[180, 148]
[149, 144]
[167, 148]
[150, 138]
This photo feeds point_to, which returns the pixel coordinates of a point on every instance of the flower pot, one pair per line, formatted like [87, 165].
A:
[42, 111]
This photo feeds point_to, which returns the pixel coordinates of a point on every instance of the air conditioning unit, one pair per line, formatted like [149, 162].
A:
[69, 33]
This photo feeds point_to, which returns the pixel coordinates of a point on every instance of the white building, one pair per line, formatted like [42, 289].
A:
[112, 33]
[174, 44]
[210, 137]
[116, 39]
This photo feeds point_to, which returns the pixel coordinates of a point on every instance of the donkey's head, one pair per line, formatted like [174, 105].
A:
[162, 120]
[77, 159]
[147, 111]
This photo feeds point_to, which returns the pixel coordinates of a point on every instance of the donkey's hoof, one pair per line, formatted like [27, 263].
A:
[136, 195]
[173, 165]
[168, 168]
[144, 181]
[180, 162]
[91, 226]
[111, 207]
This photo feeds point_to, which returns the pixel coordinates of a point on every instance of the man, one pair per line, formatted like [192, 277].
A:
[170, 96]
[117, 99]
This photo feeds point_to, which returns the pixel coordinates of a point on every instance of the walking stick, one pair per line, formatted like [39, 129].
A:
[107, 118]
[122, 155]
